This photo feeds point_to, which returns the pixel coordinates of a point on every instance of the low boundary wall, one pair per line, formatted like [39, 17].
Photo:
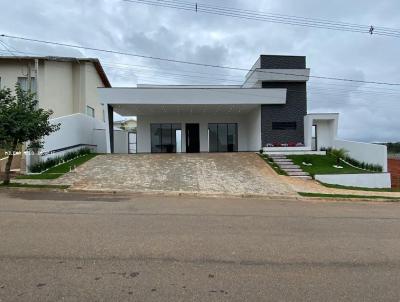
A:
[363, 180]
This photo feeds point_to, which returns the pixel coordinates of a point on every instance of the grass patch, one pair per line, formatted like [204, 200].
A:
[359, 188]
[323, 164]
[59, 170]
[40, 176]
[19, 185]
[321, 195]
[272, 164]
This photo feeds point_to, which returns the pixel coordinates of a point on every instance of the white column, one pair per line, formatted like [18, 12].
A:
[108, 141]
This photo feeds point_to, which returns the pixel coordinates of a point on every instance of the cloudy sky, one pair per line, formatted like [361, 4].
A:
[368, 112]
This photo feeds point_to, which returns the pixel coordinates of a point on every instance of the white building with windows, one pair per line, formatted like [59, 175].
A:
[68, 86]
[65, 85]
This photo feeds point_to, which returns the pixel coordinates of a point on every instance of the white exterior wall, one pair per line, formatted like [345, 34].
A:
[74, 130]
[254, 130]
[120, 141]
[371, 180]
[10, 71]
[64, 87]
[365, 152]
[325, 133]
[56, 87]
[245, 126]
[327, 126]
[93, 81]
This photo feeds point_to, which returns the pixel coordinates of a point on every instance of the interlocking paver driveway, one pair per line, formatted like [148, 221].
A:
[208, 173]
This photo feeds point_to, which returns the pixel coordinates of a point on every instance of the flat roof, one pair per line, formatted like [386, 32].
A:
[192, 96]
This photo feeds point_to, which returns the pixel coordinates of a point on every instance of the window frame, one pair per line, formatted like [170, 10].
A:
[93, 110]
[285, 126]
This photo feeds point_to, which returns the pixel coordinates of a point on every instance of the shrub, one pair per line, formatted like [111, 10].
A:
[338, 154]
[51, 162]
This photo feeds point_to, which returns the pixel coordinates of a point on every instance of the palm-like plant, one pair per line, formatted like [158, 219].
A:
[339, 154]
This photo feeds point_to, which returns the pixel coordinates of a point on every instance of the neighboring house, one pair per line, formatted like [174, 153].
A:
[127, 124]
[65, 85]
[269, 111]
[68, 86]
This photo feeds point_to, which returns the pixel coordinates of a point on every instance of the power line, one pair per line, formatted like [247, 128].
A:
[192, 62]
[343, 90]
[272, 18]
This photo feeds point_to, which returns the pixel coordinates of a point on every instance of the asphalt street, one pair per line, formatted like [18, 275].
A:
[92, 247]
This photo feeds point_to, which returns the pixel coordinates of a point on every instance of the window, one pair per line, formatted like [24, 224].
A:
[90, 111]
[284, 125]
[24, 83]
[164, 138]
[222, 137]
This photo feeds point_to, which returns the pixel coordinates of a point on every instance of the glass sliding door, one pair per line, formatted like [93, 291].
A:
[163, 137]
[222, 137]
[213, 137]
[166, 139]
[155, 138]
[232, 138]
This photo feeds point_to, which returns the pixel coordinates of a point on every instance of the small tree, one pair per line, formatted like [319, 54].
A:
[22, 121]
[338, 154]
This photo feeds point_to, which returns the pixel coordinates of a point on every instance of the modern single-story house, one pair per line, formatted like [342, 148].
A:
[268, 111]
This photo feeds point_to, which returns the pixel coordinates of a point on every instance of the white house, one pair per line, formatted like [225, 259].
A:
[68, 86]
[268, 111]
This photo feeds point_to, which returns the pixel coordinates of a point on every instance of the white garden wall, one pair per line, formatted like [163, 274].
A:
[120, 141]
[367, 180]
[364, 152]
[76, 131]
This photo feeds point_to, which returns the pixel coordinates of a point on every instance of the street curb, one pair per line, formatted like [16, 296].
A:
[188, 194]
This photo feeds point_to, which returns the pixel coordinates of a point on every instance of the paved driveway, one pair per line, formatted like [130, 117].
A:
[224, 173]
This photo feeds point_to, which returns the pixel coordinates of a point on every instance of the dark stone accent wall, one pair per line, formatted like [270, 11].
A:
[293, 111]
[110, 111]
[282, 62]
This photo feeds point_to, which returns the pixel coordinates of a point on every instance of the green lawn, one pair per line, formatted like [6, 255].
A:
[323, 164]
[360, 188]
[59, 170]
[19, 185]
[321, 195]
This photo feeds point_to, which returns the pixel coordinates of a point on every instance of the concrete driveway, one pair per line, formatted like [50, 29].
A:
[208, 173]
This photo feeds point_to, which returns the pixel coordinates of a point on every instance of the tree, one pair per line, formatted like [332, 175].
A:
[338, 154]
[21, 121]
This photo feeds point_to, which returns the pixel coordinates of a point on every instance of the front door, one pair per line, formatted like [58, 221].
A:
[192, 138]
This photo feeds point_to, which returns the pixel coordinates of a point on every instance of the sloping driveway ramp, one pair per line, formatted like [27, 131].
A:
[205, 173]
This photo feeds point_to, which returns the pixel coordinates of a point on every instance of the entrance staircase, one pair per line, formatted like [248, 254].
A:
[288, 166]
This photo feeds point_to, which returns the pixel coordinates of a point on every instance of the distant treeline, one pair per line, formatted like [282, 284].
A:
[393, 147]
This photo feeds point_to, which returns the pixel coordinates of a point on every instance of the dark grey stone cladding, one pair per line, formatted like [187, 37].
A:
[293, 111]
[282, 62]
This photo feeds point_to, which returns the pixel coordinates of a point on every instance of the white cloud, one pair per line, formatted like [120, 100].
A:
[368, 112]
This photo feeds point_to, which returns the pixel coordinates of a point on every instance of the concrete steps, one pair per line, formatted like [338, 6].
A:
[289, 167]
